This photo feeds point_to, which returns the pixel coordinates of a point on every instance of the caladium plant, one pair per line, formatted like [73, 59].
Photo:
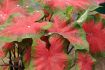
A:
[8, 7]
[50, 56]
[95, 36]
[51, 34]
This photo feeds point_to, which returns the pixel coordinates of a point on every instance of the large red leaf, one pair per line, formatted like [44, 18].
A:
[24, 25]
[85, 61]
[95, 36]
[53, 58]
[73, 34]
[9, 7]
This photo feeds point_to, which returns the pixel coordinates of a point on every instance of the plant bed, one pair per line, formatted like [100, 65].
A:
[52, 34]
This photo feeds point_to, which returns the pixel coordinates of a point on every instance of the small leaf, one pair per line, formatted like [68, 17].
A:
[84, 61]
[69, 11]
[47, 26]
[83, 17]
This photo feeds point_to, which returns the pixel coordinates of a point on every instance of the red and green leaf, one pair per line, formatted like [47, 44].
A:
[24, 26]
[9, 7]
[95, 36]
[74, 35]
[53, 58]
[84, 61]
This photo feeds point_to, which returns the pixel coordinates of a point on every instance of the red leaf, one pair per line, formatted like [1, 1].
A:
[85, 61]
[1, 53]
[53, 58]
[56, 3]
[8, 46]
[27, 55]
[67, 31]
[24, 25]
[9, 7]
[80, 4]
[95, 36]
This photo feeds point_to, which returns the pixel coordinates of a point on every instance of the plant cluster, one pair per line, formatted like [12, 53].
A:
[51, 34]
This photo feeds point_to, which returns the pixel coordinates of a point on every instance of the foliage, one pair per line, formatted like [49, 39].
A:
[51, 34]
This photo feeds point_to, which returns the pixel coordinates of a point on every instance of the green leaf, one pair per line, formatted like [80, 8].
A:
[86, 14]
[102, 4]
[47, 26]
[83, 17]
[61, 14]
[69, 11]
[85, 45]
[100, 10]
[71, 61]
[30, 9]
[21, 2]
[92, 8]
